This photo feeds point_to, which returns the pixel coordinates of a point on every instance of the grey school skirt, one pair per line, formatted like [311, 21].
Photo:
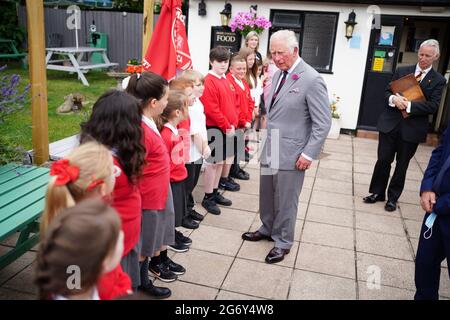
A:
[130, 265]
[158, 228]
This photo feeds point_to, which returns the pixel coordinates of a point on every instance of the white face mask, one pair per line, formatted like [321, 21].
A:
[429, 224]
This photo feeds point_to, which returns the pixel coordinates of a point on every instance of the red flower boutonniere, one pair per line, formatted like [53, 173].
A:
[295, 77]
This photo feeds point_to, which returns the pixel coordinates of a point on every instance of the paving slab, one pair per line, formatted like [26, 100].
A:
[381, 224]
[216, 240]
[335, 186]
[383, 244]
[328, 215]
[328, 235]
[232, 219]
[330, 199]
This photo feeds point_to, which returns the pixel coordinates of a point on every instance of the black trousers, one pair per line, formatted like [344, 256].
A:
[391, 146]
[430, 254]
[179, 201]
[239, 151]
[191, 181]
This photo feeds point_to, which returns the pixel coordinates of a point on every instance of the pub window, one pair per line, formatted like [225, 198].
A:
[316, 34]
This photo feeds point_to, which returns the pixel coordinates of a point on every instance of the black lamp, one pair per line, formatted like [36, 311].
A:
[202, 8]
[350, 25]
[225, 15]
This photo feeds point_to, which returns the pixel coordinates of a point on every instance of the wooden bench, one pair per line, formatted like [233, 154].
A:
[22, 198]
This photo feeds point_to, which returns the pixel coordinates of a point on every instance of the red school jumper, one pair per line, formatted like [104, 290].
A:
[245, 101]
[175, 148]
[221, 109]
[154, 183]
[184, 131]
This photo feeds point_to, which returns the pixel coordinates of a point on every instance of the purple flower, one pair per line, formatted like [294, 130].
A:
[295, 77]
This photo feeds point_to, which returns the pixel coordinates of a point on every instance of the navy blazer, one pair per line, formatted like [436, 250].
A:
[442, 188]
[415, 127]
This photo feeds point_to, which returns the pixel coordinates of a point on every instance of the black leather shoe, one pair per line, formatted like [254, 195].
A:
[390, 206]
[220, 199]
[189, 223]
[211, 206]
[229, 184]
[276, 255]
[255, 236]
[374, 197]
[155, 292]
[241, 175]
[195, 215]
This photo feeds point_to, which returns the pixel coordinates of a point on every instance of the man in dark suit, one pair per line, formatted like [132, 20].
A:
[399, 136]
[434, 243]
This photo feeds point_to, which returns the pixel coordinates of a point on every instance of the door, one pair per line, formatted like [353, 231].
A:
[380, 67]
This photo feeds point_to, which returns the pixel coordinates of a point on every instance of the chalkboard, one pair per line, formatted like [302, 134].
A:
[223, 36]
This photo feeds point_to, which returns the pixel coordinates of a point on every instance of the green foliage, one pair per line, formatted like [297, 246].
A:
[9, 26]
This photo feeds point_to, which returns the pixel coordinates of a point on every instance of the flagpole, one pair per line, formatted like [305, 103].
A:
[147, 25]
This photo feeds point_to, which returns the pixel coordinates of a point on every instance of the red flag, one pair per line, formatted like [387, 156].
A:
[168, 50]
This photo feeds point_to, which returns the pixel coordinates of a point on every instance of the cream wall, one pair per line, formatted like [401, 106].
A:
[348, 64]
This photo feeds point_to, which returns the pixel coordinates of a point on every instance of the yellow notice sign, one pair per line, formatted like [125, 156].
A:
[378, 64]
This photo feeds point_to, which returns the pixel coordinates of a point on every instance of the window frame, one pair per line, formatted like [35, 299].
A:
[301, 29]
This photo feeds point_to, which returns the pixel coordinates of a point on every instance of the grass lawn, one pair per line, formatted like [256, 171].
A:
[17, 128]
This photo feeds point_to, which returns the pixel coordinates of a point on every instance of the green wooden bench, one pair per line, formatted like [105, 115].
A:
[22, 198]
[13, 52]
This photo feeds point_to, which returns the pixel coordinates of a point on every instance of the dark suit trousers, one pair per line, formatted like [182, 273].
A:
[191, 181]
[430, 254]
[390, 146]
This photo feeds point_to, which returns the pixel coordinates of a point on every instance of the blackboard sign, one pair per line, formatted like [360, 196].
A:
[223, 36]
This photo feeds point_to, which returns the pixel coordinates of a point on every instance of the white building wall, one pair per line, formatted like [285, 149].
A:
[348, 64]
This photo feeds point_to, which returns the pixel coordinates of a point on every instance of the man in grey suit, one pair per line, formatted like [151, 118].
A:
[299, 119]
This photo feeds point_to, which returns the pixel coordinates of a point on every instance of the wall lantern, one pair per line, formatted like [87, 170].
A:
[225, 15]
[202, 8]
[350, 25]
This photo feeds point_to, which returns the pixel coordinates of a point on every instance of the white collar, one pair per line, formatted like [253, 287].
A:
[151, 124]
[294, 65]
[418, 69]
[216, 75]
[239, 82]
[95, 296]
[171, 127]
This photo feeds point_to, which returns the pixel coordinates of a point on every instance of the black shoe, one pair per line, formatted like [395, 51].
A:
[211, 206]
[189, 223]
[241, 175]
[182, 239]
[229, 184]
[220, 199]
[195, 215]
[176, 268]
[155, 292]
[390, 206]
[374, 197]
[163, 273]
[178, 247]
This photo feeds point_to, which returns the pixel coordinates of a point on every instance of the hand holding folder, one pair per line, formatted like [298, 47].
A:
[409, 88]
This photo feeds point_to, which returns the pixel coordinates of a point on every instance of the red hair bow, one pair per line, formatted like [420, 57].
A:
[64, 172]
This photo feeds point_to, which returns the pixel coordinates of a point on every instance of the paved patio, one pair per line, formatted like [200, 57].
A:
[341, 243]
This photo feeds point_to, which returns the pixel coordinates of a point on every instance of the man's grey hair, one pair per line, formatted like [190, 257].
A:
[288, 37]
[431, 43]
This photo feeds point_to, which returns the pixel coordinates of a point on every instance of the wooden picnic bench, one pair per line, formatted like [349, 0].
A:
[13, 52]
[22, 198]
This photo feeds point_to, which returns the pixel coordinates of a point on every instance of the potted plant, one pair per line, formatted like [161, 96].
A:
[134, 66]
[244, 22]
[335, 116]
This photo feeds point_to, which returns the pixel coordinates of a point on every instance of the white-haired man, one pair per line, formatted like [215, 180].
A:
[399, 136]
[298, 121]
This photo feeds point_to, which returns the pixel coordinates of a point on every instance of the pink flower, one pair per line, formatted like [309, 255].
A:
[295, 77]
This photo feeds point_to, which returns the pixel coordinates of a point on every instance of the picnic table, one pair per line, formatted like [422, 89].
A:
[75, 58]
[11, 48]
[22, 199]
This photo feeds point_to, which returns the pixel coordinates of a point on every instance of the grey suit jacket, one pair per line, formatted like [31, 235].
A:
[299, 119]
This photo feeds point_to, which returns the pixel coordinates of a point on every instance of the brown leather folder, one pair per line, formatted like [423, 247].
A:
[409, 88]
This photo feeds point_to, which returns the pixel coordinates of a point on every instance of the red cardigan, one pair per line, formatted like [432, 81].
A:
[175, 148]
[154, 183]
[245, 100]
[221, 109]
[184, 128]
[128, 203]
[114, 284]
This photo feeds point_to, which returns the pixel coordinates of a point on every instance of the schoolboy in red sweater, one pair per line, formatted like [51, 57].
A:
[236, 76]
[221, 121]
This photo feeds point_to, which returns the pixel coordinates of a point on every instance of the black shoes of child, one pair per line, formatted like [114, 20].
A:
[178, 247]
[211, 201]
[176, 268]
[220, 199]
[240, 174]
[189, 223]
[162, 272]
[195, 215]
[181, 238]
[155, 292]
[229, 184]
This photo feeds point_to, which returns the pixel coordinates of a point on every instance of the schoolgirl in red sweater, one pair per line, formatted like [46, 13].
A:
[115, 122]
[158, 216]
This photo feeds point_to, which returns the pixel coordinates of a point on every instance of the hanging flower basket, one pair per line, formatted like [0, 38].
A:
[244, 22]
